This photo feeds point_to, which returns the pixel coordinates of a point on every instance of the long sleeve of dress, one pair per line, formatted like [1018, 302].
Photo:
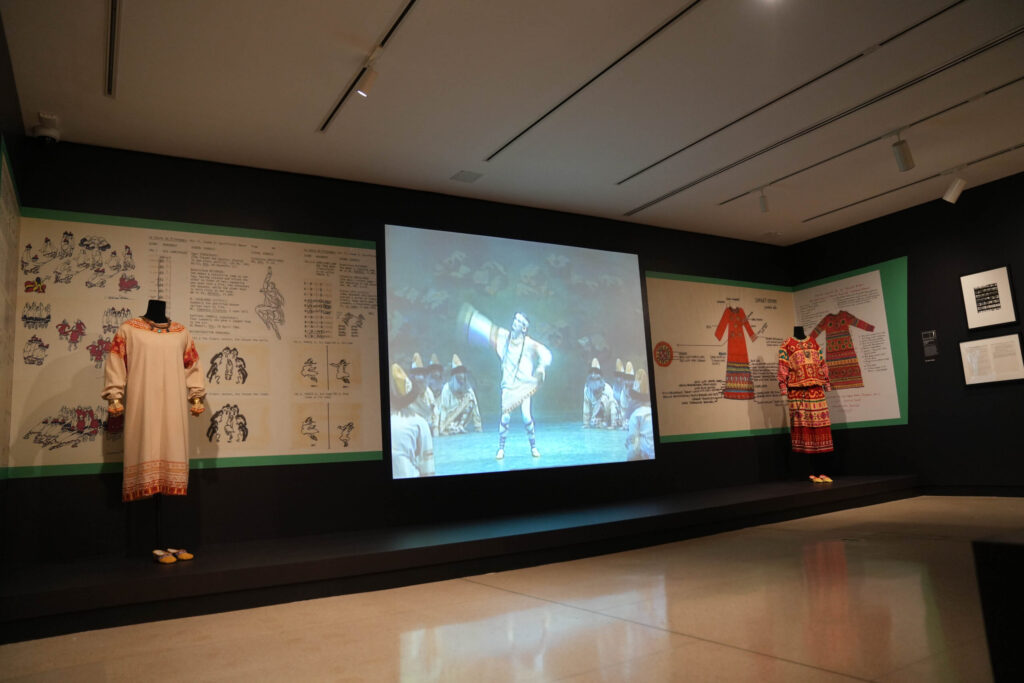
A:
[819, 328]
[115, 372]
[783, 374]
[723, 324]
[193, 372]
[746, 325]
[827, 386]
[867, 327]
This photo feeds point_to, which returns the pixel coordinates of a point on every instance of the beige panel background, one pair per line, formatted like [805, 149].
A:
[230, 291]
[685, 315]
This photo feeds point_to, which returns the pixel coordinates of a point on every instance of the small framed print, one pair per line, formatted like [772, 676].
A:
[987, 298]
[996, 359]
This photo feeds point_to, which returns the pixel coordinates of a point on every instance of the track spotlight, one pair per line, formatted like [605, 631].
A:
[366, 81]
[901, 150]
[763, 201]
[955, 188]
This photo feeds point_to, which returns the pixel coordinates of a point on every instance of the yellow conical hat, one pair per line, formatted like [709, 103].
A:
[417, 360]
[456, 361]
[618, 365]
[594, 365]
[629, 367]
[401, 384]
[640, 387]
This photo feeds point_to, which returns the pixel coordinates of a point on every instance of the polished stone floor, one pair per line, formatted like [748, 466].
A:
[880, 593]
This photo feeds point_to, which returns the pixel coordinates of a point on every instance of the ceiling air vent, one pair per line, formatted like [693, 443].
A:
[466, 176]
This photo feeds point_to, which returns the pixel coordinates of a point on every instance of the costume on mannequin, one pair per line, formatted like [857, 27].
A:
[153, 376]
[803, 380]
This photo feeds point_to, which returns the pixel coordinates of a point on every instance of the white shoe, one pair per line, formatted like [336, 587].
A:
[500, 454]
[534, 452]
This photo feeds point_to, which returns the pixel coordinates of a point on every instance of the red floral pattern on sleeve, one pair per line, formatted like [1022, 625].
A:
[191, 356]
[117, 347]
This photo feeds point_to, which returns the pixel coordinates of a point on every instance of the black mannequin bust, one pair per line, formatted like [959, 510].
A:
[156, 311]
[798, 332]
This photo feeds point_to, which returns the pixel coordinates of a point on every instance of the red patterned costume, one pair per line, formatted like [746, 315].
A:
[738, 383]
[155, 369]
[803, 379]
[843, 368]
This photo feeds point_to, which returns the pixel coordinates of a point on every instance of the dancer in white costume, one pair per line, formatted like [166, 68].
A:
[524, 362]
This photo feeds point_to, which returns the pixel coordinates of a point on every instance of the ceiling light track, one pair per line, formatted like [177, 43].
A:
[792, 91]
[996, 42]
[367, 74]
[650, 36]
[113, 34]
[955, 169]
[873, 140]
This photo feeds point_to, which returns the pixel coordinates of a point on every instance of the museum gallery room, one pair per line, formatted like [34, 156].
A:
[432, 340]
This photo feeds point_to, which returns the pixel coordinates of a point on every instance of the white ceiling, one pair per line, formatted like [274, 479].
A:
[730, 96]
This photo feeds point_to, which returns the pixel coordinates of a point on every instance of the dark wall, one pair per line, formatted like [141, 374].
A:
[957, 435]
[10, 108]
[259, 502]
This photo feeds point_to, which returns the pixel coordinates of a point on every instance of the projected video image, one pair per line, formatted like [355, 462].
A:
[510, 355]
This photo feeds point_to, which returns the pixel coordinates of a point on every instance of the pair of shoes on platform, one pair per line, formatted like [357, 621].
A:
[821, 479]
[172, 555]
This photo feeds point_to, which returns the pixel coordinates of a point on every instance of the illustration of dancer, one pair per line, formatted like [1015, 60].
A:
[271, 311]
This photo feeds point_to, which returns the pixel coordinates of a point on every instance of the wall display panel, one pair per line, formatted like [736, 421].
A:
[285, 326]
[529, 355]
[996, 359]
[10, 222]
[716, 349]
[716, 355]
[848, 317]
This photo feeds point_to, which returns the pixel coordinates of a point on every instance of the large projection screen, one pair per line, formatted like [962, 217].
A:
[509, 355]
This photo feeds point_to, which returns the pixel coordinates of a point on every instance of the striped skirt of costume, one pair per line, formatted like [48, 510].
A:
[738, 382]
[810, 425]
[843, 368]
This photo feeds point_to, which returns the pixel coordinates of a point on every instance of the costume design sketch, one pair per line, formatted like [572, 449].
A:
[114, 317]
[228, 425]
[345, 433]
[271, 311]
[227, 366]
[341, 370]
[72, 334]
[35, 351]
[35, 316]
[98, 351]
[70, 427]
[738, 381]
[309, 430]
[840, 354]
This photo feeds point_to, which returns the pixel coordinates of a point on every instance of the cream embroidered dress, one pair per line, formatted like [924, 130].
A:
[154, 369]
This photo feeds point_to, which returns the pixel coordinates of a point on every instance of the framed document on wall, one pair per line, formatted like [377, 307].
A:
[996, 359]
[988, 299]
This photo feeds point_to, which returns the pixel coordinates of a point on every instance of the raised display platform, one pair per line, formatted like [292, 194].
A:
[48, 599]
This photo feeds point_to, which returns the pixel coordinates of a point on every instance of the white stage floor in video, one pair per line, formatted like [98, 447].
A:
[561, 444]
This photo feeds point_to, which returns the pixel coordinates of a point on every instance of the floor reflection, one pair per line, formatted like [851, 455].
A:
[883, 593]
